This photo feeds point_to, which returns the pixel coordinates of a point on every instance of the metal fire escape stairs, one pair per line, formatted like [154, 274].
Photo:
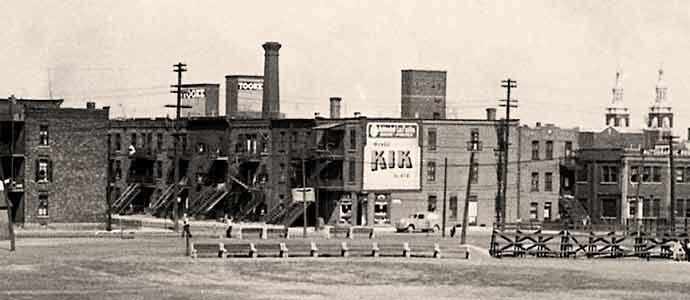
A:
[122, 203]
[572, 211]
[166, 198]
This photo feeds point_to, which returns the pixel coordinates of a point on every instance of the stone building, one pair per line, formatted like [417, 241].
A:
[423, 94]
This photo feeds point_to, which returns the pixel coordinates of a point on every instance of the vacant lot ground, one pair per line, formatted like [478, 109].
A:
[156, 269]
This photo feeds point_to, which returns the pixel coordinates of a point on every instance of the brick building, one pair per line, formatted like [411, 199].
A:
[423, 94]
[546, 170]
[57, 160]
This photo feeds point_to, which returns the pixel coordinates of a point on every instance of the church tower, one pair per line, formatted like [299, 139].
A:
[617, 114]
[660, 116]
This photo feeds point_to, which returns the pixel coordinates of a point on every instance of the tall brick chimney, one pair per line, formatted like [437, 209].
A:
[270, 108]
[335, 107]
[491, 114]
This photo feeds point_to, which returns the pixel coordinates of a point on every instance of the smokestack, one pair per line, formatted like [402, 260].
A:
[491, 114]
[271, 100]
[335, 107]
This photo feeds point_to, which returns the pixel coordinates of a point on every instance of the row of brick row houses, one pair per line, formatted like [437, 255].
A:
[254, 164]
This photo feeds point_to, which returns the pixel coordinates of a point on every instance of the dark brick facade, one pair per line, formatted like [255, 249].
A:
[423, 94]
[76, 156]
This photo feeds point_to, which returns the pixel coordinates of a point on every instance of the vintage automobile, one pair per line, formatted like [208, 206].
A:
[420, 221]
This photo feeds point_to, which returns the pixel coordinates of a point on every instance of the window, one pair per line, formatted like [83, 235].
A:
[547, 211]
[436, 114]
[609, 174]
[184, 142]
[239, 146]
[635, 174]
[159, 169]
[453, 205]
[381, 210]
[431, 207]
[609, 208]
[687, 208]
[353, 139]
[159, 141]
[548, 182]
[133, 140]
[351, 171]
[43, 138]
[646, 208]
[646, 174]
[475, 173]
[679, 207]
[533, 208]
[472, 210]
[432, 139]
[549, 149]
[118, 170]
[201, 147]
[282, 177]
[118, 142]
[680, 176]
[149, 140]
[687, 174]
[44, 170]
[581, 173]
[535, 150]
[474, 139]
[431, 171]
[656, 171]
[632, 207]
[568, 149]
[656, 208]
[42, 205]
[535, 182]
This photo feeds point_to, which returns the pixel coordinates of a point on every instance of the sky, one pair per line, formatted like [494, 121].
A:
[563, 54]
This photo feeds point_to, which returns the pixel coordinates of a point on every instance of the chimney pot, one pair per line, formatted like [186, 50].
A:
[357, 114]
[491, 114]
[538, 124]
[335, 107]
[91, 105]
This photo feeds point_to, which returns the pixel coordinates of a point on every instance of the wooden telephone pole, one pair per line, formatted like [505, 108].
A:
[445, 190]
[474, 145]
[672, 182]
[178, 68]
[508, 84]
[8, 183]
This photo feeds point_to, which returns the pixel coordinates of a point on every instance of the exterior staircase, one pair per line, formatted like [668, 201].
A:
[572, 211]
[208, 200]
[246, 208]
[276, 214]
[293, 212]
[122, 203]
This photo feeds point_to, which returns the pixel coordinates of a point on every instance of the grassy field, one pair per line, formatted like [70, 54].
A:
[156, 269]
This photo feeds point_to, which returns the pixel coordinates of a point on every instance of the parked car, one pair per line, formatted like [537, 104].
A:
[421, 221]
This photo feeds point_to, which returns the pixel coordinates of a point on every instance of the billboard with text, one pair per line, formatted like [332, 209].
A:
[392, 156]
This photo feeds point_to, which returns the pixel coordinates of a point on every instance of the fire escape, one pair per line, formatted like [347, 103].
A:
[12, 156]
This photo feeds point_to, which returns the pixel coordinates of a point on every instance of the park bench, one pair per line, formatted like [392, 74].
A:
[358, 249]
[207, 250]
[421, 250]
[271, 249]
[301, 248]
[338, 231]
[329, 249]
[350, 232]
[240, 249]
[252, 233]
[276, 233]
[453, 251]
[388, 249]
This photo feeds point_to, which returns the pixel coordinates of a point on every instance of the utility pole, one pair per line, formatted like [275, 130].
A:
[445, 189]
[637, 192]
[108, 175]
[672, 178]
[508, 84]
[304, 199]
[178, 68]
[10, 223]
[473, 146]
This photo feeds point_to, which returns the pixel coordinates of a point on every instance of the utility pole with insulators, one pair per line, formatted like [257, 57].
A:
[672, 178]
[508, 103]
[178, 68]
[473, 146]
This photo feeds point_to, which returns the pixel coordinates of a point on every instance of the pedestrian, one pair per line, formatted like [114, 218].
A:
[186, 227]
[677, 250]
[228, 231]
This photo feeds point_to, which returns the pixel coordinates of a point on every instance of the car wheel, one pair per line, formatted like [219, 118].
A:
[436, 228]
[410, 228]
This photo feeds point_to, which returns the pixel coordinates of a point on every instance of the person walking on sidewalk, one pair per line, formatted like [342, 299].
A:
[186, 227]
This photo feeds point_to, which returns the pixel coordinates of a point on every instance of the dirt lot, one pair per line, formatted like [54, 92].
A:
[156, 269]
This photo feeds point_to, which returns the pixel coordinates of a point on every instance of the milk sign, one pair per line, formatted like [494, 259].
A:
[392, 156]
